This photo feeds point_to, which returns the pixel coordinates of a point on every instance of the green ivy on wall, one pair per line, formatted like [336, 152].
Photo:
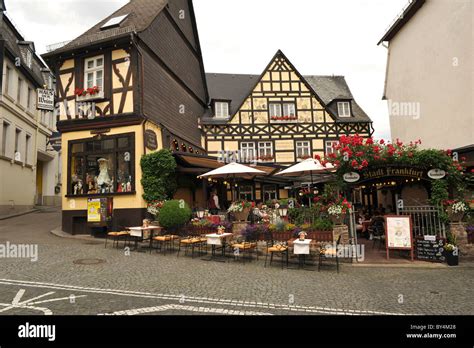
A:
[158, 178]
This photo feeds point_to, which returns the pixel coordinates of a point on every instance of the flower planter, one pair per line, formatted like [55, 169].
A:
[338, 219]
[454, 217]
[451, 259]
[242, 215]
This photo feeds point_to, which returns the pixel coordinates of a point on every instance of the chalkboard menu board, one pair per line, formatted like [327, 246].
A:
[430, 248]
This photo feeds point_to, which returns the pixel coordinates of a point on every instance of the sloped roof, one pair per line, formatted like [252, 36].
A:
[140, 14]
[236, 88]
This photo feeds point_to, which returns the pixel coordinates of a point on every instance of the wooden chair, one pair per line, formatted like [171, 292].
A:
[116, 236]
[164, 241]
[192, 241]
[324, 254]
[240, 249]
[280, 248]
[378, 234]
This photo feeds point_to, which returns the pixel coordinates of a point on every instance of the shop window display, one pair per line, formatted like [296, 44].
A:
[102, 166]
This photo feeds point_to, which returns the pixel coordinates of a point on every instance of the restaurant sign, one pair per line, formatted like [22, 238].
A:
[351, 177]
[151, 141]
[45, 100]
[436, 174]
[378, 173]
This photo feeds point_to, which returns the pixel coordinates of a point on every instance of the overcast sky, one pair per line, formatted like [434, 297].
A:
[320, 37]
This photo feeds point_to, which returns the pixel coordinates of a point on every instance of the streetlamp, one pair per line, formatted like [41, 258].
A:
[200, 213]
[283, 210]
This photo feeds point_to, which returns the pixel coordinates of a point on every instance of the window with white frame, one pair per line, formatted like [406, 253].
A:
[265, 151]
[344, 109]
[222, 109]
[247, 151]
[246, 192]
[330, 146]
[94, 72]
[274, 109]
[289, 109]
[303, 149]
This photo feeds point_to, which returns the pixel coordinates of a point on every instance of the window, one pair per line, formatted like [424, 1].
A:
[102, 166]
[29, 100]
[222, 109]
[29, 58]
[247, 152]
[265, 151]
[19, 90]
[5, 136]
[94, 73]
[27, 148]
[275, 110]
[344, 109]
[8, 76]
[246, 192]
[113, 22]
[289, 109]
[17, 145]
[269, 192]
[330, 146]
[303, 149]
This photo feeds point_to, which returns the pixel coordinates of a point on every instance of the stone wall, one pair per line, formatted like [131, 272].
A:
[459, 231]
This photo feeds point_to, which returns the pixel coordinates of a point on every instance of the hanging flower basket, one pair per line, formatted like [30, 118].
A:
[242, 215]
[455, 210]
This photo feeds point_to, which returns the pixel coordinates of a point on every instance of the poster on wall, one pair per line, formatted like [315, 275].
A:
[94, 210]
[398, 233]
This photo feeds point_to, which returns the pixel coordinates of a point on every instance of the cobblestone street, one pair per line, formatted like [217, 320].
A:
[156, 284]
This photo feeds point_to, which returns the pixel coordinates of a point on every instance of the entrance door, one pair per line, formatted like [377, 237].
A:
[39, 183]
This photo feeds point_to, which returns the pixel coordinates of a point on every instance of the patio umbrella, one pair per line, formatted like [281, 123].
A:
[309, 166]
[231, 171]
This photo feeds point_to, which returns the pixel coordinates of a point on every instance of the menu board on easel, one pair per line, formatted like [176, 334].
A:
[398, 233]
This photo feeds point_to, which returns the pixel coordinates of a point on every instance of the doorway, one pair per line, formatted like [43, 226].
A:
[39, 183]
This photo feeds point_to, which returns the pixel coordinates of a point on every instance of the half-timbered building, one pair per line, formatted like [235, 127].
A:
[132, 84]
[279, 117]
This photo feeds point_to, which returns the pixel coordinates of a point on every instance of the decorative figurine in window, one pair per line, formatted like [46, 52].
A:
[78, 188]
[103, 180]
[129, 184]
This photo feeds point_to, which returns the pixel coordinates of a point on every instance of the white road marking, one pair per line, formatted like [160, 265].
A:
[214, 301]
[183, 308]
[29, 304]
[18, 296]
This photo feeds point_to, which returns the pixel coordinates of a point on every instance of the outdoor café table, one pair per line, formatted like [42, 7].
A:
[214, 240]
[301, 248]
[137, 232]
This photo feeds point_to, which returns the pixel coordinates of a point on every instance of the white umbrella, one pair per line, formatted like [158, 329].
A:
[232, 170]
[309, 166]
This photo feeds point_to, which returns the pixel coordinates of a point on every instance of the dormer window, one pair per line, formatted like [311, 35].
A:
[29, 58]
[221, 109]
[94, 73]
[113, 22]
[344, 109]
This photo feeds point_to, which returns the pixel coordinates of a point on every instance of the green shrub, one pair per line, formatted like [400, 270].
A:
[321, 224]
[174, 214]
[158, 179]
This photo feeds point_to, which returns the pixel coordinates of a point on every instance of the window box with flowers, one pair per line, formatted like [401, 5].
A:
[88, 94]
[284, 118]
[266, 158]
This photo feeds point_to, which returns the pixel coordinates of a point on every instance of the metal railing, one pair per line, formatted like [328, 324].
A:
[426, 220]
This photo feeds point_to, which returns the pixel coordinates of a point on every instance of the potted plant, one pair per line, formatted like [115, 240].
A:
[153, 209]
[220, 229]
[302, 235]
[240, 209]
[451, 253]
[174, 214]
[455, 209]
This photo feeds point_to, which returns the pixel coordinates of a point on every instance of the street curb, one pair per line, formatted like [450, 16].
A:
[19, 214]
[416, 266]
[58, 232]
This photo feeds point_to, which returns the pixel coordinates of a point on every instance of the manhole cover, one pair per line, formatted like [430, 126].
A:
[89, 261]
